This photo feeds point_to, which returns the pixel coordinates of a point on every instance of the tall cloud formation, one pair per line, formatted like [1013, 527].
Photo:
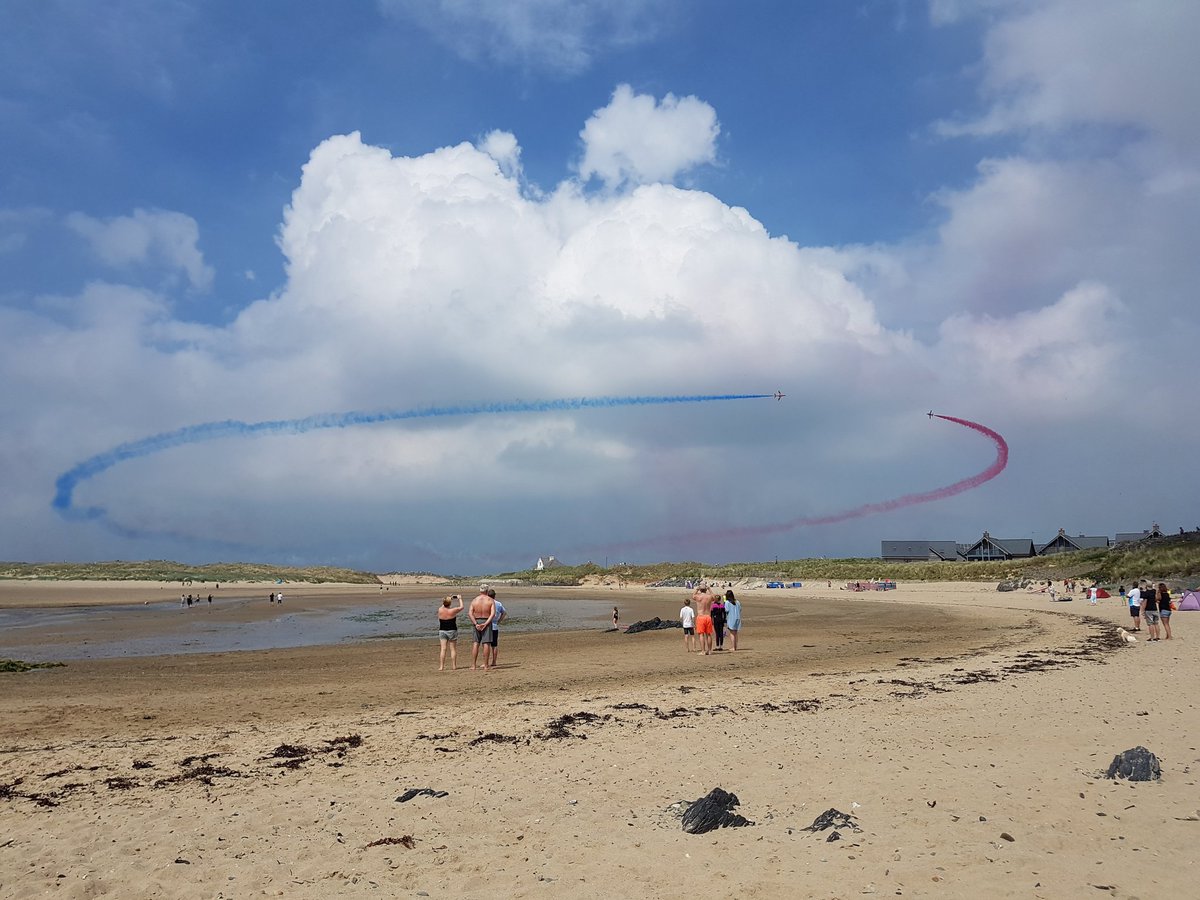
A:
[446, 279]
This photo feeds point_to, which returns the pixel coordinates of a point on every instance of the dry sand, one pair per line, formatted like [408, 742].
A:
[966, 730]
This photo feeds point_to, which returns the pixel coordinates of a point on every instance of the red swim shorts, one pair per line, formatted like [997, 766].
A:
[704, 625]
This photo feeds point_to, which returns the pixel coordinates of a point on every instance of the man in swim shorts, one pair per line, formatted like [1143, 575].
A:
[704, 621]
[687, 618]
[481, 614]
[1134, 598]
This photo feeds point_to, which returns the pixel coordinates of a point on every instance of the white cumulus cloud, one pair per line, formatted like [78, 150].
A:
[638, 139]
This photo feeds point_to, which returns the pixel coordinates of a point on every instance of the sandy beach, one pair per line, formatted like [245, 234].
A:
[966, 731]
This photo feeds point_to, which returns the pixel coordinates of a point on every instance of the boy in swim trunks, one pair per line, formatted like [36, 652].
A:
[704, 621]
[687, 618]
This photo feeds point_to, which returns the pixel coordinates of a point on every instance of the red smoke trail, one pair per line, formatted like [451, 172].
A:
[858, 512]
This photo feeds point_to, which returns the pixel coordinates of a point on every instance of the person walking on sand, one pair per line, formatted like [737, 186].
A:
[704, 619]
[481, 613]
[616, 618]
[1134, 599]
[500, 615]
[1164, 609]
[733, 617]
[448, 630]
[687, 618]
[1150, 609]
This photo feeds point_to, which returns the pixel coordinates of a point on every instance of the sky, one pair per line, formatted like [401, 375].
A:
[424, 221]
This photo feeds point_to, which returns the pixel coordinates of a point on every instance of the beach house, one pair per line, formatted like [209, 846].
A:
[921, 551]
[990, 548]
[1065, 543]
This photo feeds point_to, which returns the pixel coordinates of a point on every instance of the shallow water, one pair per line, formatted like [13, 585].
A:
[95, 632]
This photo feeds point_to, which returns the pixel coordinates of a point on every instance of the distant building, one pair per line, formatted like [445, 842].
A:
[1064, 543]
[990, 548]
[546, 562]
[920, 551]
[1125, 537]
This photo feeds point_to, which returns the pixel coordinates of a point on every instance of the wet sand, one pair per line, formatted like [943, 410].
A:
[942, 716]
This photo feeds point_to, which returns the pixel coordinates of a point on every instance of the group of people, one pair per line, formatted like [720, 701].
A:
[188, 599]
[486, 613]
[706, 623]
[1150, 604]
[276, 597]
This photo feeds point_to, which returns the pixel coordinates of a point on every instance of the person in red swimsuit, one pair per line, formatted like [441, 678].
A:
[704, 621]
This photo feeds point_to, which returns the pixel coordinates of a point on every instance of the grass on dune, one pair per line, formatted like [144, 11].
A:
[1175, 559]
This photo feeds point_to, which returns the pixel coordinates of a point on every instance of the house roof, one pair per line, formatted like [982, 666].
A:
[905, 548]
[1011, 546]
[945, 549]
[1076, 542]
[919, 549]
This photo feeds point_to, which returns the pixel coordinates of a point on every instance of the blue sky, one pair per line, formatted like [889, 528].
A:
[265, 211]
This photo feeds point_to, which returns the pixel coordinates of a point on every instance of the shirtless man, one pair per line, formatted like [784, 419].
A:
[704, 621]
[481, 614]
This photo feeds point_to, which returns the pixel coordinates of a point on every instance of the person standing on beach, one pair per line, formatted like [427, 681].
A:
[718, 617]
[1164, 609]
[687, 618]
[616, 618]
[1150, 609]
[448, 630]
[1134, 598]
[704, 620]
[481, 613]
[500, 615]
[733, 617]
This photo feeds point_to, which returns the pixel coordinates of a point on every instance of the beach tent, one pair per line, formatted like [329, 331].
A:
[1102, 594]
[1191, 600]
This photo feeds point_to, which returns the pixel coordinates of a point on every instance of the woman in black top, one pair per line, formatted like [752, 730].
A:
[1150, 610]
[718, 617]
[448, 630]
[1164, 608]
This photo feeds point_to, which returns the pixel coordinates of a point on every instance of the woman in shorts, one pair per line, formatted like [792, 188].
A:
[1164, 609]
[1150, 610]
[448, 630]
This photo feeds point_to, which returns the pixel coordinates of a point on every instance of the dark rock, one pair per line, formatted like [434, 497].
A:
[712, 811]
[1138, 764]
[420, 792]
[655, 624]
[833, 836]
[833, 818]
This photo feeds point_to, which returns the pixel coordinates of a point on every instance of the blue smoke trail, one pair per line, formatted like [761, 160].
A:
[66, 484]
